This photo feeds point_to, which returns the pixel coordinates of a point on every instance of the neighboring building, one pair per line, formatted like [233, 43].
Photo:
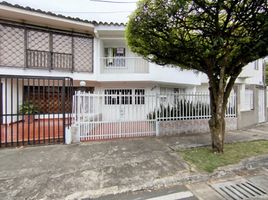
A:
[36, 43]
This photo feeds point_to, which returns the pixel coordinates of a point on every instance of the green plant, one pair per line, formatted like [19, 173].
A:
[204, 160]
[28, 108]
[181, 110]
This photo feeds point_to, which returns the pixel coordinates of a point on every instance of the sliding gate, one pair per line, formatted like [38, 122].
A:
[34, 110]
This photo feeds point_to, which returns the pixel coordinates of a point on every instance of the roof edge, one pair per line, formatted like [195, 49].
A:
[77, 19]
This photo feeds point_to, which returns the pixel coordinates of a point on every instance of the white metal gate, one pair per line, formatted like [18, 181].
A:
[108, 116]
[261, 105]
[101, 117]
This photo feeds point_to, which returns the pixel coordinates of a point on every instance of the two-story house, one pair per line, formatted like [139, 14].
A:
[44, 57]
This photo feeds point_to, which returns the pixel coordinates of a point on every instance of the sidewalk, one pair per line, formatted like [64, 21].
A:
[102, 168]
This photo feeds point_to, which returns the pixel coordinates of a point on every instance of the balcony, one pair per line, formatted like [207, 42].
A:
[49, 60]
[124, 65]
[25, 46]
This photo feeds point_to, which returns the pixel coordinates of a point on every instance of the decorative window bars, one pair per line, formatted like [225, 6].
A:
[25, 46]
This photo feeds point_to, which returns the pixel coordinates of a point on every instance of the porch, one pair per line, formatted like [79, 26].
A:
[39, 131]
[34, 110]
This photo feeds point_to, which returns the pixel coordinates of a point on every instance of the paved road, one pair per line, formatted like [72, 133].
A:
[180, 192]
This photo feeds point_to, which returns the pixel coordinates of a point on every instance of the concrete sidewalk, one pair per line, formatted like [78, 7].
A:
[101, 168]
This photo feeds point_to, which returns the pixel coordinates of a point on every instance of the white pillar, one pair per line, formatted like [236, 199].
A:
[242, 96]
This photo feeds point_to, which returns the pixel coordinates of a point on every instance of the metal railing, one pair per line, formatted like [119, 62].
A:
[34, 109]
[49, 60]
[104, 116]
[124, 65]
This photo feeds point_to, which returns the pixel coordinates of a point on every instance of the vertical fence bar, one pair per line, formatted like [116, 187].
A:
[45, 98]
[34, 113]
[63, 108]
[6, 116]
[39, 111]
[18, 111]
[28, 113]
[53, 109]
[11, 110]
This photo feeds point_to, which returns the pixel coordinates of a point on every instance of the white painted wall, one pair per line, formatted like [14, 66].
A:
[131, 112]
[252, 75]
[249, 75]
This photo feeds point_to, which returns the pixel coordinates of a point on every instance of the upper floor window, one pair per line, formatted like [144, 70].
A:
[115, 57]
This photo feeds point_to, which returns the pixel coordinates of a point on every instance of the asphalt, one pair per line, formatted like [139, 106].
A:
[95, 169]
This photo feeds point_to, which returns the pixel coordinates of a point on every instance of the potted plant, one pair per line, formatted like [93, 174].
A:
[28, 110]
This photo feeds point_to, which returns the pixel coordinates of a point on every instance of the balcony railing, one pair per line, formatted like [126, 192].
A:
[49, 60]
[124, 65]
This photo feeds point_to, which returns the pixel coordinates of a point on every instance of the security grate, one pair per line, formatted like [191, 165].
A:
[240, 189]
[27, 46]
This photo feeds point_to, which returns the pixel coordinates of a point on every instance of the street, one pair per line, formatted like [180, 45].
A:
[173, 193]
[253, 185]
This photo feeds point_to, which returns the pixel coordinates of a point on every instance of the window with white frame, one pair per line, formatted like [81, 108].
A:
[256, 65]
[118, 96]
[139, 96]
[115, 57]
[249, 99]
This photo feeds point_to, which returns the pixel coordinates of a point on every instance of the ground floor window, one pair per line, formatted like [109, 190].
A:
[139, 96]
[124, 96]
[118, 96]
[48, 99]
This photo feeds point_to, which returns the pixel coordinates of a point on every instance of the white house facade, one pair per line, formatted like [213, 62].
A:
[96, 58]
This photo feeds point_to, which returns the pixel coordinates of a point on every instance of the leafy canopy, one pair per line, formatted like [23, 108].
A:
[205, 35]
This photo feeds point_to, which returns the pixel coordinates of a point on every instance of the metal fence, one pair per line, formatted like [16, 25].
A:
[34, 110]
[107, 116]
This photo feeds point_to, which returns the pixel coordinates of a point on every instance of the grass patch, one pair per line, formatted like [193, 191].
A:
[205, 160]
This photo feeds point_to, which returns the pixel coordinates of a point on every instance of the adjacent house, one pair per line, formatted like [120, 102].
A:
[45, 57]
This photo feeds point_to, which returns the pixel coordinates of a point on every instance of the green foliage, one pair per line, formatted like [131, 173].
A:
[204, 160]
[182, 110]
[28, 109]
[216, 37]
[199, 34]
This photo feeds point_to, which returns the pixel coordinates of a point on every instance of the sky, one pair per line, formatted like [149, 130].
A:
[84, 9]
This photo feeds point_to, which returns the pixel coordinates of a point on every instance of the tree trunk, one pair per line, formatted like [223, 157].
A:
[217, 130]
[217, 121]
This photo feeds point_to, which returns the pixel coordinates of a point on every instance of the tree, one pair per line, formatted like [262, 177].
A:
[216, 37]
